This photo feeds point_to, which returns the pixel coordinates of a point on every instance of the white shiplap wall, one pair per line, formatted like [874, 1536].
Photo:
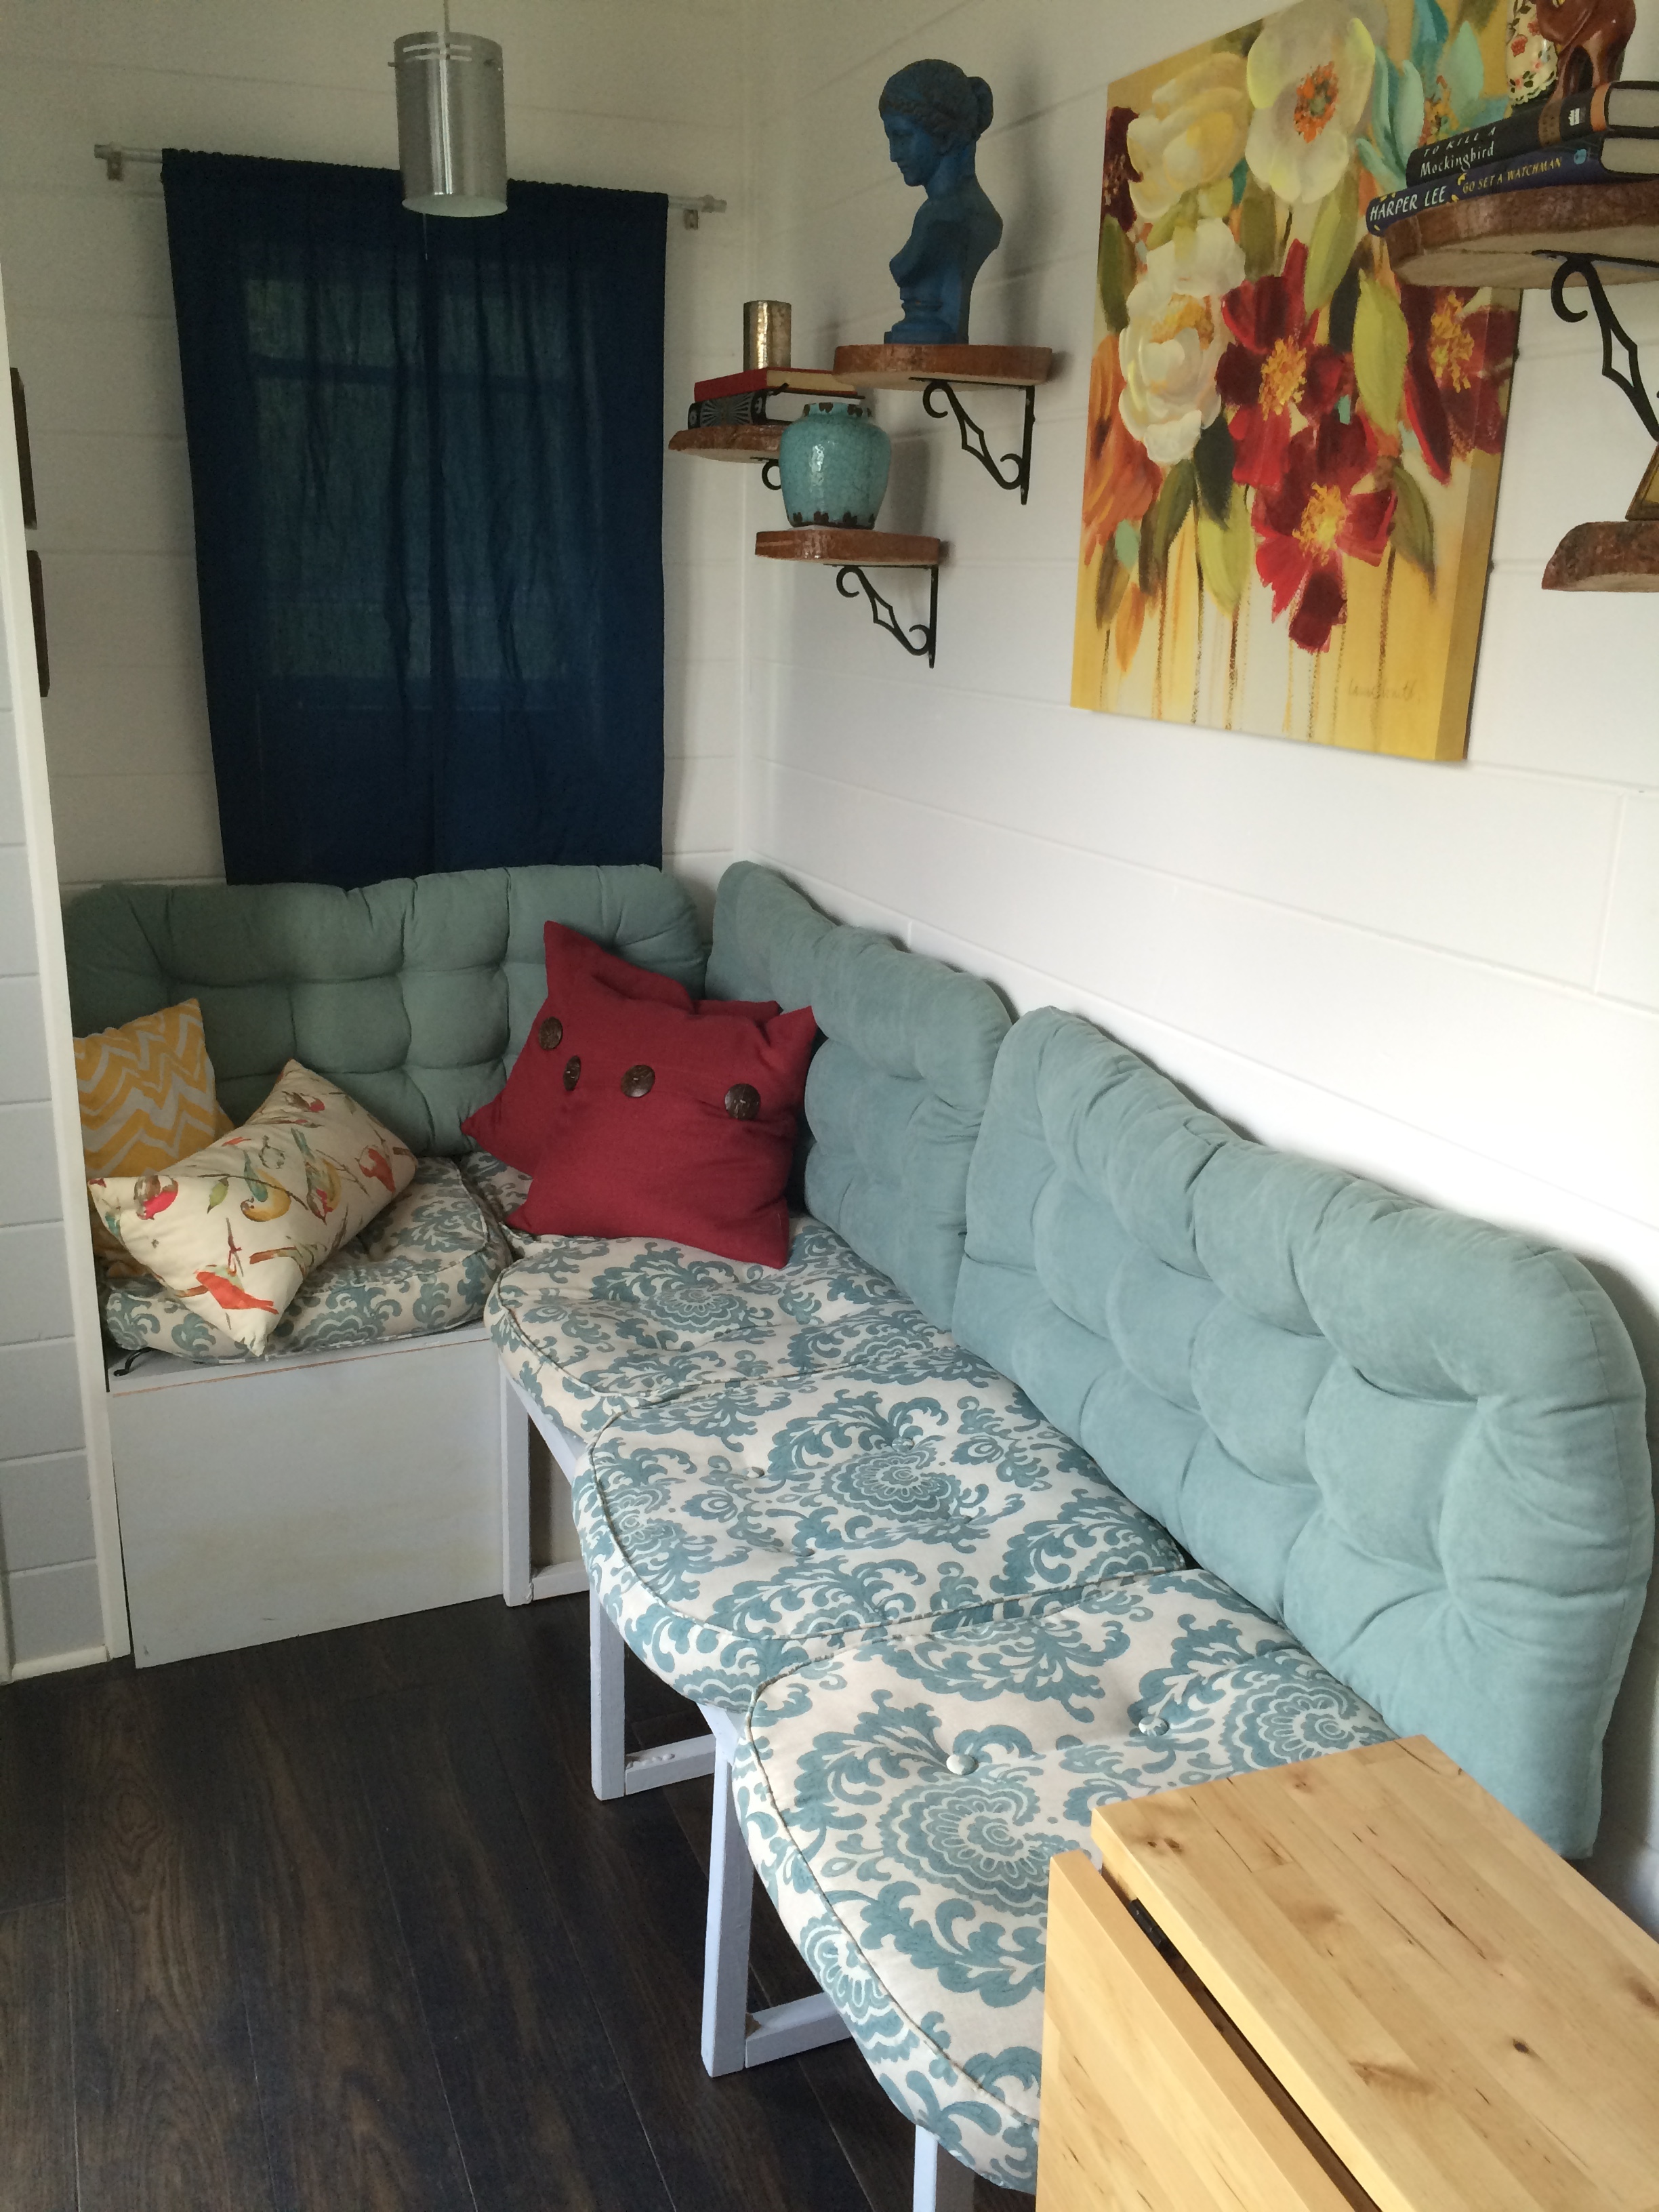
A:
[1447, 976]
[619, 93]
[58, 1604]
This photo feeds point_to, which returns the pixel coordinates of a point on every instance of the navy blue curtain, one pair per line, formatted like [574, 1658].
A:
[426, 460]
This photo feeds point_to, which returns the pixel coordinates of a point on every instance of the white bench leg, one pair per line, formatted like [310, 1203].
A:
[521, 1584]
[729, 2042]
[725, 1934]
[942, 2184]
[606, 1717]
[617, 1771]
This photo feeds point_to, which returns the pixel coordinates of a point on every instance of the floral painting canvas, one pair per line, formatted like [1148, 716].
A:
[1291, 467]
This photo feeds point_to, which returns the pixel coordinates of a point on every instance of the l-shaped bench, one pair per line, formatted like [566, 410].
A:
[364, 1473]
[1082, 1449]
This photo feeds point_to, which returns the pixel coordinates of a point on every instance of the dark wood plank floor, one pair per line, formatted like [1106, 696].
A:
[337, 1926]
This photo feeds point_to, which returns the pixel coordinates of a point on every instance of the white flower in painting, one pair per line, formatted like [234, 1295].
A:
[1191, 137]
[1310, 76]
[1175, 338]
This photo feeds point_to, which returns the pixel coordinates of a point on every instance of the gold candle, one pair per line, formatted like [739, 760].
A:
[766, 333]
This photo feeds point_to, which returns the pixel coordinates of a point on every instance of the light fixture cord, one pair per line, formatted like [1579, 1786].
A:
[445, 21]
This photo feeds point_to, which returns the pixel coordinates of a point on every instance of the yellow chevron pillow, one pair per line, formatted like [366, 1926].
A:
[147, 1099]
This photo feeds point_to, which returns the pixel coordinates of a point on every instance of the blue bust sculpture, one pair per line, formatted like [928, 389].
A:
[934, 116]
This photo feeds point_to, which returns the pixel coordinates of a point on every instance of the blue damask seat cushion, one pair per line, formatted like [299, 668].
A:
[903, 1797]
[736, 1532]
[593, 1328]
[426, 1263]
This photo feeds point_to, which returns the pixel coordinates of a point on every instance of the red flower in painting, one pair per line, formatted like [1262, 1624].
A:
[1120, 483]
[1456, 374]
[1118, 168]
[1275, 370]
[1314, 515]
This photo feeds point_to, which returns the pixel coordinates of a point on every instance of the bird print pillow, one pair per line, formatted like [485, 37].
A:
[236, 1228]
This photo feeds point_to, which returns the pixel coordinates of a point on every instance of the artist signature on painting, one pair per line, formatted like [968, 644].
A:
[1378, 692]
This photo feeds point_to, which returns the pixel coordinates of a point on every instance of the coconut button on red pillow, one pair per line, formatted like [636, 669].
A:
[518, 1123]
[680, 1125]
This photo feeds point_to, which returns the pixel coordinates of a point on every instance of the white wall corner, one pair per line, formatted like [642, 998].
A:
[20, 657]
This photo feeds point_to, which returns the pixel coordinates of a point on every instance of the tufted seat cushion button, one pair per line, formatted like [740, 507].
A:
[743, 1101]
[962, 1762]
[550, 1035]
[572, 1072]
[637, 1080]
[1154, 1724]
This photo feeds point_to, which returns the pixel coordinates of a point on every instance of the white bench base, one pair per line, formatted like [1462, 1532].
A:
[261, 1502]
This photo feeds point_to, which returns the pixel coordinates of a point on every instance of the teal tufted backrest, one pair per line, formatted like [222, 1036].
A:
[1415, 1439]
[897, 1089]
[414, 995]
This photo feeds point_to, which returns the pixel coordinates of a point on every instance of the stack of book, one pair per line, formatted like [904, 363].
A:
[1607, 137]
[741, 399]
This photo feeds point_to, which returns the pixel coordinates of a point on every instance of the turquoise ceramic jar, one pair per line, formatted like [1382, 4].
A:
[834, 465]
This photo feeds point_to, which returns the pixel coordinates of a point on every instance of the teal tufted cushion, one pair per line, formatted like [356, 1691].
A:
[1415, 1439]
[896, 1091]
[414, 995]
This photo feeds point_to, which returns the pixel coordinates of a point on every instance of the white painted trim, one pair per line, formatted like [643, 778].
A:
[518, 1586]
[59, 1662]
[942, 2184]
[564, 1578]
[18, 623]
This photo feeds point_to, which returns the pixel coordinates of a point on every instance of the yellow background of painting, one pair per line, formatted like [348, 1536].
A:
[1398, 674]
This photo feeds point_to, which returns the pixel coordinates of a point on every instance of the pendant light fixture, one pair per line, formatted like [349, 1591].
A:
[451, 122]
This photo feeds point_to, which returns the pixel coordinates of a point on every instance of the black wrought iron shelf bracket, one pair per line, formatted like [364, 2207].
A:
[884, 616]
[771, 474]
[1629, 379]
[973, 438]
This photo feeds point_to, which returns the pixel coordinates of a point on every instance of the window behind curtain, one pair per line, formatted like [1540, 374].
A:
[426, 462]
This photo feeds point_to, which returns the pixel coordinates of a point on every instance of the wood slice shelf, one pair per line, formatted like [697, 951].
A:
[848, 548]
[852, 553]
[1606, 556]
[1515, 240]
[912, 367]
[1587, 236]
[936, 371]
[731, 442]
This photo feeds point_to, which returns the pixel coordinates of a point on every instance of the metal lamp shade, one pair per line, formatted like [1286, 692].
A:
[452, 122]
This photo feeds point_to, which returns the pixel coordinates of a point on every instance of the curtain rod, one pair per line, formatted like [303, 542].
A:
[115, 160]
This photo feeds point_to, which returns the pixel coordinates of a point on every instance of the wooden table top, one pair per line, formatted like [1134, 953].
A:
[1469, 2024]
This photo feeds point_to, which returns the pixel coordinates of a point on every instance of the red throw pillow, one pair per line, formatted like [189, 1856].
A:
[519, 1120]
[679, 1127]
